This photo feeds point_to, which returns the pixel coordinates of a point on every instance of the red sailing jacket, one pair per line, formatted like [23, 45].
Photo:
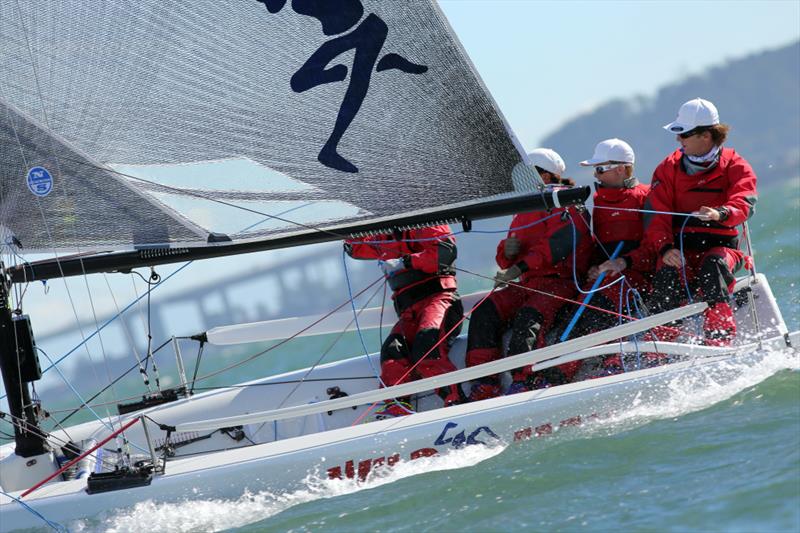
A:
[546, 247]
[731, 184]
[612, 226]
[429, 263]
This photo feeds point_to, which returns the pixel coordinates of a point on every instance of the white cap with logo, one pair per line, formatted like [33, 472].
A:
[549, 160]
[692, 114]
[611, 150]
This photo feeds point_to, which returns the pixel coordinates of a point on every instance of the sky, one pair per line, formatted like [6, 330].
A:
[548, 61]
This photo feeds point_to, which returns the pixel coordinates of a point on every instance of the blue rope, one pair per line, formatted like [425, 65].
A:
[355, 318]
[54, 525]
[683, 261]
[630, 296]
[619, 319]
[107, 322]
[591, 292]
[453, 234]
[83, 402]
[594, 288]
[136, 300]
[647, 211]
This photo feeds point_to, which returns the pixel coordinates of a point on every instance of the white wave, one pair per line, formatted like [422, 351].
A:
[702, 387]
[216, 515]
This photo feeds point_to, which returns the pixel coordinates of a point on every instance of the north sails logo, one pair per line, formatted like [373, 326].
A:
[366, 40]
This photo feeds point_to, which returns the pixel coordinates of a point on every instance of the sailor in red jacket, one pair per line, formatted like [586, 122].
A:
[538, 251]
[616, 218]
[419, 268]
[718, 188]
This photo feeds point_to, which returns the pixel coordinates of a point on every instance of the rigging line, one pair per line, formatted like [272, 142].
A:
[126, 330]
[454, 233]
[651, 211]
[435, 346]
[50, 237]
[325, 353]
[33, 65]
[243, 385]
[49, 437]
[684, 276]
[119, 313]
[55, 526]
[329, 348]
[109, 321]
[75, 391]
[15, 255]
[383, 305]
[543, 293]
[683, 262]
[284, 341]
[25, 161]
[593, 290]
[153, 277]
[355, 317]
[131, 369]
[187, 192]
[99, 337]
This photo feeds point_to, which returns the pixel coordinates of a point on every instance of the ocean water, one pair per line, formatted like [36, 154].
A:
[710, 458]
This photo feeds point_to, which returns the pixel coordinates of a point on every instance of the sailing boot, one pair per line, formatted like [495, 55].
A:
[719, 325]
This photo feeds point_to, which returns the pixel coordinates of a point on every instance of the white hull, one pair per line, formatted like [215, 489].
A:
[287, 451]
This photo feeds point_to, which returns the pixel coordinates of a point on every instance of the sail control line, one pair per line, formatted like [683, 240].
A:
[535, 357]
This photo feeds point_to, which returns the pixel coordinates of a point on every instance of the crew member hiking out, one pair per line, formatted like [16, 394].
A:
[419, 267]
[538, 251]
[718, 187]
[616, 219]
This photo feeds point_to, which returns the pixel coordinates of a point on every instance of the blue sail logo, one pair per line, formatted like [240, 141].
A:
[40, 182]
[366, 40]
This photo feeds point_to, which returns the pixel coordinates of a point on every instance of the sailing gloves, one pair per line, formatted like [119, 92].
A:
[504, 276]
[511, 247]
[391, 267]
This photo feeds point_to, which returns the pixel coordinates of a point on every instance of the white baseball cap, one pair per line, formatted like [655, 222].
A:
[549, 160]
[611, 150]
[692, 114]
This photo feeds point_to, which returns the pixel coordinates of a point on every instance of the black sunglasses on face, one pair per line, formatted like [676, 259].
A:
[696, 131]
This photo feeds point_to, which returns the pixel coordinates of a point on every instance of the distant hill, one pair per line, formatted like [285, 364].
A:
[758, 96]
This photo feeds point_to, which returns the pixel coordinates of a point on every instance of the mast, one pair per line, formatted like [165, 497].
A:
[19, 365]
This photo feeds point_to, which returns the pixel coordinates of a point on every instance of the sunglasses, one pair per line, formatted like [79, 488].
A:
[602, 169]
[690, 133]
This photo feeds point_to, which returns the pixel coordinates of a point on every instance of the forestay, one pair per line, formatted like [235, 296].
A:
[150, 118]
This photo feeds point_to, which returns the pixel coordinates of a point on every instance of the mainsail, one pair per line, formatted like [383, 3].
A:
[341, 111]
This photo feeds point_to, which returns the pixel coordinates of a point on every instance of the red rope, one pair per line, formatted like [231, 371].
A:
[81, 456]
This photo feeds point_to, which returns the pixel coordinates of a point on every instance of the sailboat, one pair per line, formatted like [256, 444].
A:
[134, 135]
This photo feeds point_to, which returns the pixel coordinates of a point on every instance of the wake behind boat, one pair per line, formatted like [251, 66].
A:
[294, 128]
